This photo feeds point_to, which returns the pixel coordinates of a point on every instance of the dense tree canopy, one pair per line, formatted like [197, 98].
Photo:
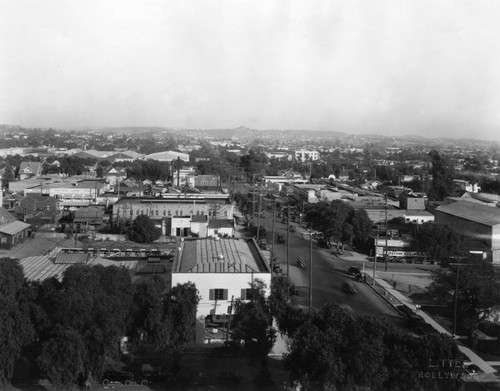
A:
[148, 169]
[165, 319]
[442, 176]
[333, 350]
[338, 221]
[252, 324]
[439, 242]
[143, 230]
[478, 291]
[16, 329]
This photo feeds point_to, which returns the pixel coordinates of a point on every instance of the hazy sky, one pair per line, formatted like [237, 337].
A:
[374, 66]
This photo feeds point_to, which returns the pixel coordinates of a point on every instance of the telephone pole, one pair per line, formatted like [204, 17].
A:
[273, 239]
[386, 234]
[288, 242]
[260, 212]
[310, 269]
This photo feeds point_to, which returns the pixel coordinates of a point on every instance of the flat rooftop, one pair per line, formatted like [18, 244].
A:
[481, 214]
[219, 255]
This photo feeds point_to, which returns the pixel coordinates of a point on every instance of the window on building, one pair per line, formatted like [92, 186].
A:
[169, 213]
[218, 294]
[177, 213]
[4, 240]
[156, 212]
[164, 213]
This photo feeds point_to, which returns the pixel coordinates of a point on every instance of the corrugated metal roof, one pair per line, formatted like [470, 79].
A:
[13, 228]
[471, 211]
[71, 259]
[40, 268]
[220, 256]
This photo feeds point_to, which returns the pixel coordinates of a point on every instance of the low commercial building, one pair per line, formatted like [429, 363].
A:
[223, 270]
[473, 221]
[418, 217]
[219, 227]
[173, 214]
[11, 234]
[286, 178]
[303, 155]
[412, 201]
[168, 156]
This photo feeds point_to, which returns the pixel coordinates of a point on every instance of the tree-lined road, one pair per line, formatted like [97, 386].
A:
[329, 274]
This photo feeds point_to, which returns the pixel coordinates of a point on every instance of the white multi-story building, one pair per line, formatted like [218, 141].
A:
[303, 155]
[223, 270]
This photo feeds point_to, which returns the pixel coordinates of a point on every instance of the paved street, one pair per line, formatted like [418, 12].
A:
[329, 274]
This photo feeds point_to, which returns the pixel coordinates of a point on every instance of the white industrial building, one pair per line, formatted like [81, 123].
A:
[222, 270]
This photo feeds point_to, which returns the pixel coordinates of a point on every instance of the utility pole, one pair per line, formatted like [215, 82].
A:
[288, 242]
[456, 303]
[375, 258]
[272, 242]
[229, 320]
[385, 252]
[310, 269]
[260, 211]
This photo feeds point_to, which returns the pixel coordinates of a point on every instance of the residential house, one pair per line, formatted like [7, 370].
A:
[12, 231]
[38, 209]
[219, 227]
[29, 170]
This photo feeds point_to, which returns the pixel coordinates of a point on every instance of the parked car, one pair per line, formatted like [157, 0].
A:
[353, 271]
[123, 377]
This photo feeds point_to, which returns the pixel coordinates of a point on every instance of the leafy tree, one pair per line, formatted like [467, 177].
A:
[92, 302]
[474, 164]
[165, 319]
[442, 176]
[8, 176]
[252, 324]
[16, 328]
[143, 230]
[60, 359]
[147, 310]
[181, 310]
[149, 169]
[336, 351]
[339, 221]
[254, 161]
[478, 291]
[361, 225]
[439, 242]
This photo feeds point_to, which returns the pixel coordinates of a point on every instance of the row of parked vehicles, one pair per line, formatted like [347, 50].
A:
[147, 375]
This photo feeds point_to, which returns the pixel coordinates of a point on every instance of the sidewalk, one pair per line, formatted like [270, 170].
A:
[473, 357]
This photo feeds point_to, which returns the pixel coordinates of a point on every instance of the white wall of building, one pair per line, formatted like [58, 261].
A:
[233, 282]
[220, 231]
